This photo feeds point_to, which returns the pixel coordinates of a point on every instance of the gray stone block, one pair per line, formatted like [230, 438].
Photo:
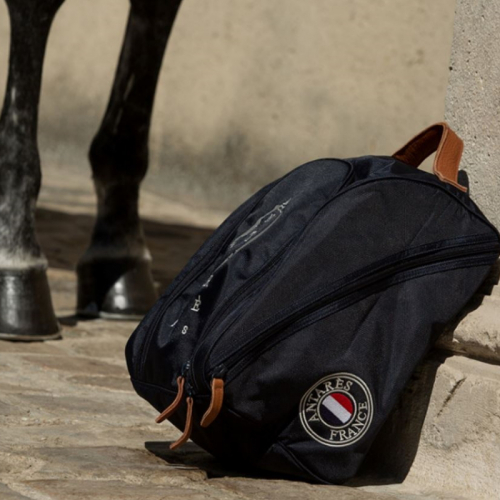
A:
[472, 101]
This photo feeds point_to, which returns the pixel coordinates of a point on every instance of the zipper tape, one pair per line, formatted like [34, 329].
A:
[332, 308]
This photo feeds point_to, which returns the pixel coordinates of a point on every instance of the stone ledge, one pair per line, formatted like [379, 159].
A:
[477, 335]
[444, 435]
[476, 332]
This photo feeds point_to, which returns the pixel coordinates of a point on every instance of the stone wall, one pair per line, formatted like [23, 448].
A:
[473, 99]
[250, 89]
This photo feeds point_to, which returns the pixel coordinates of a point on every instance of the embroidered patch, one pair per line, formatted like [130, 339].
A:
[338, 410]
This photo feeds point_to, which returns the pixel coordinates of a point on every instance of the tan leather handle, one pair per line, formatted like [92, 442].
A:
[448, 146]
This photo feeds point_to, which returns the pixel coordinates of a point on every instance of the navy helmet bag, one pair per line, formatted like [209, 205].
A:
[286, 340]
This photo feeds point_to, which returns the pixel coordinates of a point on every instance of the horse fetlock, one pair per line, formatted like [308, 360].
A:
[114, 273]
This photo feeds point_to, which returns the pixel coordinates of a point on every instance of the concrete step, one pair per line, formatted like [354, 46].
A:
[444, 435]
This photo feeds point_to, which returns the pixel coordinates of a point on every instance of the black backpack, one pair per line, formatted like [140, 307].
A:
[286, 340]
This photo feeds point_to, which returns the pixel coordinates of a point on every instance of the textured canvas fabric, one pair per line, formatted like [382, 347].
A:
[313, 302]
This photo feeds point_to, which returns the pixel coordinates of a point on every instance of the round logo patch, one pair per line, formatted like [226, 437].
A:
[338, 410]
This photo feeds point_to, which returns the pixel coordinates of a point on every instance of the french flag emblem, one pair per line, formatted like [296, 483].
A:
[337, 409]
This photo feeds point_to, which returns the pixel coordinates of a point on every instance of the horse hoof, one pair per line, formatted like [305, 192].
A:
[117, 288]
[26, 311]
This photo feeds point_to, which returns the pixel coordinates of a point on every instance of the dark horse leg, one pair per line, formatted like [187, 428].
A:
[26, 311]
[114, 276]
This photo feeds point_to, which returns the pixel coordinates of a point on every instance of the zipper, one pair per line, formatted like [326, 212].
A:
[194, 274]
[230, 362]
[344, 294]
[243, 292]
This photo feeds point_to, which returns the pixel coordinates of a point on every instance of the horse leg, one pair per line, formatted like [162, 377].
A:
[26, 311]
[114, 275]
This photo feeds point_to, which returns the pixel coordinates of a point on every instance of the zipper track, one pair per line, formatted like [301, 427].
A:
[346, 287]
[319, 314]
[243, 291]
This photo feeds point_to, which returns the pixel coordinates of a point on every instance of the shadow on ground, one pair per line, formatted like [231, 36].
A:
[192, 457]
[64, 237]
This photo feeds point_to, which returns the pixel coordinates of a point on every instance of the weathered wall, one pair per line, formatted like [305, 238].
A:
[473, 99]
[251, 89]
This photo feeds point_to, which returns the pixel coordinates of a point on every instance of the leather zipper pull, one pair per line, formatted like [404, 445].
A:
[167, 412]
[188, 427]
[215, 402]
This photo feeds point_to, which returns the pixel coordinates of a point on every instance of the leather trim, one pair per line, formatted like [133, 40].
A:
[448, 146]
[215, 402]
[167, 412]
[187, 428]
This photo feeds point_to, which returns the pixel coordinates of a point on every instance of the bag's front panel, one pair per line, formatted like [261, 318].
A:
[331, 385]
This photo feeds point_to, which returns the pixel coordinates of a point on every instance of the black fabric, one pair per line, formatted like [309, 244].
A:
[314, 302]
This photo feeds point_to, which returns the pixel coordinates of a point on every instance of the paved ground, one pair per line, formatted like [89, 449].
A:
[71, 425]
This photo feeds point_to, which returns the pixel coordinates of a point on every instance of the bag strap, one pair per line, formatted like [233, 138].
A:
[448, 146]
